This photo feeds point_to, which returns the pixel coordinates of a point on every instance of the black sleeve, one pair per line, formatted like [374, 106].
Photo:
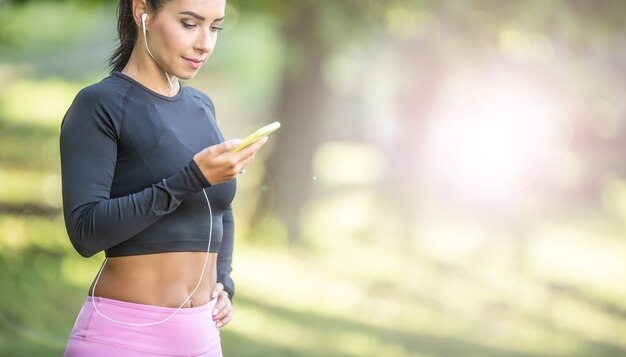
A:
[225, 255]
[88, 146]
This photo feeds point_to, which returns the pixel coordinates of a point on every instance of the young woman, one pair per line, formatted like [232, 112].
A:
[148, 178]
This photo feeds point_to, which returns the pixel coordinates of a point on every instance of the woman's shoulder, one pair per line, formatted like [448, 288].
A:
[109, 90]
[101, 102]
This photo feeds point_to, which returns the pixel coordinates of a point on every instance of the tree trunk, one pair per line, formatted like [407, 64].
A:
[300, 110]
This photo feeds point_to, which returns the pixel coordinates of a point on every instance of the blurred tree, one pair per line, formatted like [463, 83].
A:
[312, 30]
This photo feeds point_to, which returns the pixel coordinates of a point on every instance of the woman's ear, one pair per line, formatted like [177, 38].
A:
[139, 8]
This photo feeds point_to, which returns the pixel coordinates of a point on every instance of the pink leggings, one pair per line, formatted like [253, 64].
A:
[191, 332]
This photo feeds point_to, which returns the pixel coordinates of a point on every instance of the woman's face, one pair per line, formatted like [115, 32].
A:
[183, 33]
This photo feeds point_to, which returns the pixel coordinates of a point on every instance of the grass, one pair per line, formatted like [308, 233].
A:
[292, 302]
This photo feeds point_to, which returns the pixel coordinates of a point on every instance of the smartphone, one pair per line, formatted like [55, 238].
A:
[259, 134]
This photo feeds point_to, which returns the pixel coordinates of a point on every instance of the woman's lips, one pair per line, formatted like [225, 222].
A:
[195, 64]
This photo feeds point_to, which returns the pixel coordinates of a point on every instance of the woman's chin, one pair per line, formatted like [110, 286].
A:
[186, 75]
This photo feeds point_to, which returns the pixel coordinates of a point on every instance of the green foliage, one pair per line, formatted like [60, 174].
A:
[39, 28]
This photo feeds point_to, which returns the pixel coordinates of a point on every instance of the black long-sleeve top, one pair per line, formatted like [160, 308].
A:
[129, 182]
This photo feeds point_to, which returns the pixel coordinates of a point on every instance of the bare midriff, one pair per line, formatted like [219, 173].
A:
[163, 279]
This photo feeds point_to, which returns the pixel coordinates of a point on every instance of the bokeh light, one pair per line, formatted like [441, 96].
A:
[490, 138]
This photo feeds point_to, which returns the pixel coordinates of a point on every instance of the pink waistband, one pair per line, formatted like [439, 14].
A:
[150, 308]
[191, 331]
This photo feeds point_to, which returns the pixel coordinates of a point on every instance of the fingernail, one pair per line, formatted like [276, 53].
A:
[214, 294]
[215, 311]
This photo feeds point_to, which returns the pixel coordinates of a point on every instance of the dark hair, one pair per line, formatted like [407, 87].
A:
[127, 31]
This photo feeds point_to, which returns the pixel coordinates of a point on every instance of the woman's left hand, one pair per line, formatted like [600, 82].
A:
[223, 310]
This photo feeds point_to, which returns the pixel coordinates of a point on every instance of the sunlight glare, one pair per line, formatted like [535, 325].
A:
[493, 143]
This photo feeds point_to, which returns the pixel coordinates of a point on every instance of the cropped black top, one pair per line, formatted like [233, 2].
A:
[129, 183]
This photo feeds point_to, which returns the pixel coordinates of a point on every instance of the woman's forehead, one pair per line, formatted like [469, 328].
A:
[208, 9]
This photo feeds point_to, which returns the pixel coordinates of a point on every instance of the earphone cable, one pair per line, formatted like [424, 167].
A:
[170, 81]
[93, 300]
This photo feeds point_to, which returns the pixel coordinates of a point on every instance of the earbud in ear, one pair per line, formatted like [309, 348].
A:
[143, 22]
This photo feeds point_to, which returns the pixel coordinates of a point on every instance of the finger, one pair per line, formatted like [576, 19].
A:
[226, 146]
[259, 143]
[252, 153]
[222, 307]
[217, 290]
[225, 320]
[243, 164]
[252, 148]
[243, 157]
[223, 313]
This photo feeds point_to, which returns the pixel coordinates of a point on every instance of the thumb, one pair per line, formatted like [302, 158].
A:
[217, 289]
[228, 145]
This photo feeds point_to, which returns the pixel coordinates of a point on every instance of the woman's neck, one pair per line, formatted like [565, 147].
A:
[142, 68]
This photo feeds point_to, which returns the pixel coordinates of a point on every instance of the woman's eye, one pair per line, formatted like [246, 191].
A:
[188, 25]
[216, 28]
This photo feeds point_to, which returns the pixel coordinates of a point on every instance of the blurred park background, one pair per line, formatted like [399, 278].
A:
[449, 179]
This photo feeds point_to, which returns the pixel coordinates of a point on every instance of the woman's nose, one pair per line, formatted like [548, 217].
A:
[206, 41]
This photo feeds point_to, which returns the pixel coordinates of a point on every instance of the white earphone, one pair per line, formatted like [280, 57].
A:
[170, 79]
[143, 22]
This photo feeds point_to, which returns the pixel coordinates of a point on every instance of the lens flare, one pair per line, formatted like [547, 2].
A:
[492, 143]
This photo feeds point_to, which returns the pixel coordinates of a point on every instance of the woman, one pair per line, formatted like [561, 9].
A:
[148, 178]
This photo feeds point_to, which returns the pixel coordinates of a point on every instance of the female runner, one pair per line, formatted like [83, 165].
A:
[149, 179]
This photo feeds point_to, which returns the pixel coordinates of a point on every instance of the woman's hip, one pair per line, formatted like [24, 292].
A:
[143, 330]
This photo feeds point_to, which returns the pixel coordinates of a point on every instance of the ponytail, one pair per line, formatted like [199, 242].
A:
[127, 31]
[127, 34]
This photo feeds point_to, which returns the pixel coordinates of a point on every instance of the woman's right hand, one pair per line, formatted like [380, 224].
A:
[219, 164]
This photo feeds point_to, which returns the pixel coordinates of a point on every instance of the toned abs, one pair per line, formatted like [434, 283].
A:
[163, 279]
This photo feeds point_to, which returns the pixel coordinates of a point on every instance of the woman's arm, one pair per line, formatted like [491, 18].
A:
[94, 221]
[225, 255]
[88, 143]
[225, 287]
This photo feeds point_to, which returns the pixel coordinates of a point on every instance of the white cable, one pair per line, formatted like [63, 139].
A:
[167, 76]
[93, 300]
